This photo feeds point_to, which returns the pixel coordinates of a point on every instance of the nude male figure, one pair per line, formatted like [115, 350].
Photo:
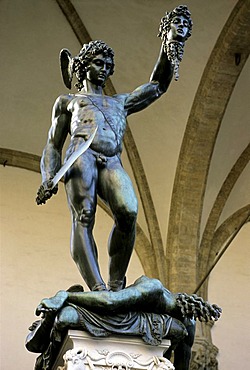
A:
[99, 171]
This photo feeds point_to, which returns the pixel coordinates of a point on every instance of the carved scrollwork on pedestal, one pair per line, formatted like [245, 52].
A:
[74, 359]
[80, 359]
[119, 361]
[162, 363]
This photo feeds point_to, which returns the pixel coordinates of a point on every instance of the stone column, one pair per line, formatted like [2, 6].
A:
[81, 351]
[204, 355]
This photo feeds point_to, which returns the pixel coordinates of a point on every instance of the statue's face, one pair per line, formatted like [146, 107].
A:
[178, 28]
[99, 69]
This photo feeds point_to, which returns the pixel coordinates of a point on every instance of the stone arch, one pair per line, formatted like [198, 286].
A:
[213, 94]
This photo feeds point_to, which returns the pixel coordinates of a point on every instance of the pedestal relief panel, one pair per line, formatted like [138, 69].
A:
[81, 351]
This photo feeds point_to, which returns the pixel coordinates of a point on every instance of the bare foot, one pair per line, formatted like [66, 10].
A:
[52, 304]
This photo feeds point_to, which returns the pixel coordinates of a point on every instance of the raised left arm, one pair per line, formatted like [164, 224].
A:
[174, 30]
[163, 71]
[159, 81]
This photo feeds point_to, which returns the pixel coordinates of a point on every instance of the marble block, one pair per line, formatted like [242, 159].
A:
[82, 351]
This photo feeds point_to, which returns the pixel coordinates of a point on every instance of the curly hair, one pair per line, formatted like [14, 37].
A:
[181, 10]
[193, 306]
[86, 54]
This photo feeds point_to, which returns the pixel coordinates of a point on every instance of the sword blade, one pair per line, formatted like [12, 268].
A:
[82, 148]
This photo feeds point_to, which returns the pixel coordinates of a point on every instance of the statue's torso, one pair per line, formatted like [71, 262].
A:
[89, 111]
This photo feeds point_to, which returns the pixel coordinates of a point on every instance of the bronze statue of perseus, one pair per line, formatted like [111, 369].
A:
[96, 124]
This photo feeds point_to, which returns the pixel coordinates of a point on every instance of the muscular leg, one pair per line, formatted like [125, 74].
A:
[117, 190]
[80, 182]
[144, 295]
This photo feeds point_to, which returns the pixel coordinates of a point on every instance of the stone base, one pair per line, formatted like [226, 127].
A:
[81, 351]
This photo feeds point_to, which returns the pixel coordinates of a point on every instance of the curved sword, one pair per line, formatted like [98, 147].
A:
[82, 148]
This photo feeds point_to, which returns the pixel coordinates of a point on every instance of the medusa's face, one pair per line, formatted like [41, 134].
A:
[179, 27]
[98, 69]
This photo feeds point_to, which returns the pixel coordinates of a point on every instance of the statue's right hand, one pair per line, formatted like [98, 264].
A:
[45, 192]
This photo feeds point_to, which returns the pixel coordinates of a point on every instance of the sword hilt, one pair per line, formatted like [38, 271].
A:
[45, 192]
